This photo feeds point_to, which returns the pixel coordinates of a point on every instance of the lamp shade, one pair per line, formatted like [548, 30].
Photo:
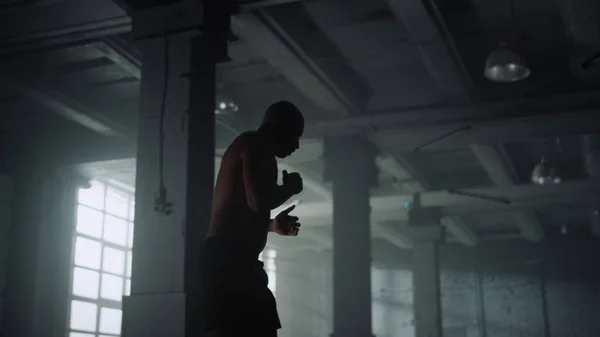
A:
[505, 66]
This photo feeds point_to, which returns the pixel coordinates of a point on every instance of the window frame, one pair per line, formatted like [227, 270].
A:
[127, 249]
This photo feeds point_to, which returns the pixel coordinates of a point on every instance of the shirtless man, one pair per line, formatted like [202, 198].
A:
[236, 297]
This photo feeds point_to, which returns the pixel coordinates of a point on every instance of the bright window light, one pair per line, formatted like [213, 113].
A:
[103, 241]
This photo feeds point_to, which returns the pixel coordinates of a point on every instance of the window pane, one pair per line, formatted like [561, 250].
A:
[130, 236]
[132, 211]
[86, 283]
[127, 287]
[117, 203]
[89, 221]
[87, 253]
[112, 287]
[110, 321]
[129, 263]
[83, 316]
[113, 261]
[93, 196]
[115, 230]
[77, 334]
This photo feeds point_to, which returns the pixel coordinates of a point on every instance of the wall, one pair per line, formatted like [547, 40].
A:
[38, 261]
[504, 289]
[6, 189]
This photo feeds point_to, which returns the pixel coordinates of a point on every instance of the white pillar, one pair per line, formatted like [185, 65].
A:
[165, 271]
[426, 233]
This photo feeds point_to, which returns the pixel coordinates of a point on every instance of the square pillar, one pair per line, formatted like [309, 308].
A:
[176, 149]
[37, 293]
[350, 166]
[427, 233]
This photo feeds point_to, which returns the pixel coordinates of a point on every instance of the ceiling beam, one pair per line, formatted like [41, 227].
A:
[62, 104]
[388, 232]
[265, 34]
[510, 129]
[116, 49]
[527, 115]
[65, 36]
[400, 169]
[461, 231]
[467, 201]
[434, 42]
[81, 33]
[496, 164]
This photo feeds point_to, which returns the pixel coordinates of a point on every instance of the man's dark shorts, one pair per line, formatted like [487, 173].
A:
[234, 288]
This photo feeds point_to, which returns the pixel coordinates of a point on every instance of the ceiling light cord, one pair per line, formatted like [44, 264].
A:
[161, 203]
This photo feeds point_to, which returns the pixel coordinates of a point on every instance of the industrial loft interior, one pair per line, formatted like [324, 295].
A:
[450, 163]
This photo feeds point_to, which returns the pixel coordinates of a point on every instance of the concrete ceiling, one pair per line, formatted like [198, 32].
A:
[406, 73]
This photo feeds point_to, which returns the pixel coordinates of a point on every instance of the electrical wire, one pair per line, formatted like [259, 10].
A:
[161, 205]
[163, 104]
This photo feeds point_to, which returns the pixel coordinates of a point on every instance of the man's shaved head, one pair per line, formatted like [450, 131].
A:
[285, 115]
[285, 124]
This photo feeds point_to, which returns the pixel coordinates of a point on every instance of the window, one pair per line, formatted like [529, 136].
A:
[268, 257]
[103, 239]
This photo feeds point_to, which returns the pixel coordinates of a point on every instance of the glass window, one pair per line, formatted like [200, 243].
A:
[87, 253]
[93, 196]
[127, 287]
[112, 287]
[130, 236]
[113, 261]
[86, 283]
[83, 316]
[110, 321]
[115, 230]
[132, 211]
[117, 203]
[103, 239]
[129, 264]
[89, 221]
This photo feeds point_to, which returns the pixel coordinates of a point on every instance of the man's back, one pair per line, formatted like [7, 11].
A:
[232, 217]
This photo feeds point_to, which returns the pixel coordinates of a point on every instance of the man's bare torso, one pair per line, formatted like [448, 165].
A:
[231, 215]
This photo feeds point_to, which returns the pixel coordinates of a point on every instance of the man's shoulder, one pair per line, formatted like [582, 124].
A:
[248, 141]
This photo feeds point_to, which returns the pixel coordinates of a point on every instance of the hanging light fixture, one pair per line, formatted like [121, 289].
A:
[546, 173]
[505, 66]
[543, 174]
[225, 105]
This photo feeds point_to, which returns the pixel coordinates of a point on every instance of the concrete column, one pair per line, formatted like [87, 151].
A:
[350, 166]
[39, 252]
[167, 242]
[427, 233]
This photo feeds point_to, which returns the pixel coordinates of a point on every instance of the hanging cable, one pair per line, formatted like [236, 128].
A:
[161, 203]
